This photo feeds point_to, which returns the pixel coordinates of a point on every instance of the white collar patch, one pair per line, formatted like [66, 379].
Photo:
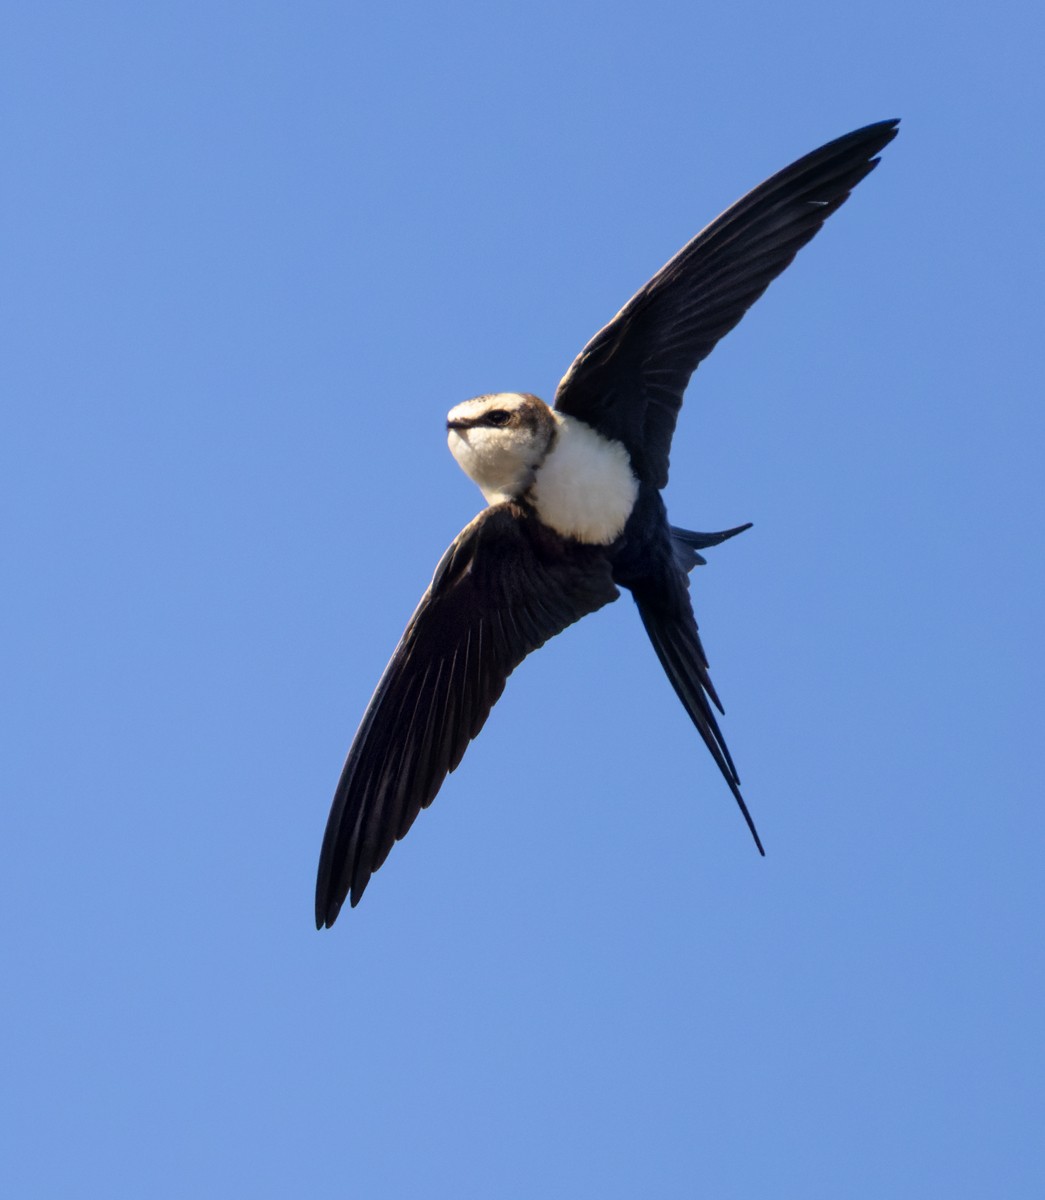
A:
[585, 488]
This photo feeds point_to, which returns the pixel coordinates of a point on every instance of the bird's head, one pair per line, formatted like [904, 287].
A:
[499, 441]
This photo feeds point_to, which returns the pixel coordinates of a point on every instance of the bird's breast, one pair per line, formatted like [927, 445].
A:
[585, 488]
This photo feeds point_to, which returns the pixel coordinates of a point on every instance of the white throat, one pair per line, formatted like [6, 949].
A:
[501, 458]
[585, 488]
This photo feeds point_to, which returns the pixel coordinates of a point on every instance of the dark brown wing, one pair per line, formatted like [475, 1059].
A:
[505, 586]
[628, 380]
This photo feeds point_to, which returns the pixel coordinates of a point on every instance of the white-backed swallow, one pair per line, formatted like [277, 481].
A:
[575, 512]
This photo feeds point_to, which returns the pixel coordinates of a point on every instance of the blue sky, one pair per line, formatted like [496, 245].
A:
[253, 254]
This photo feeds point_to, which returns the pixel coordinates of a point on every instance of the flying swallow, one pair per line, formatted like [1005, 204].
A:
[574, 513]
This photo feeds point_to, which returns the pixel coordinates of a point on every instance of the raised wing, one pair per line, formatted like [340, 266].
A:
[629, 379]
[506, 585]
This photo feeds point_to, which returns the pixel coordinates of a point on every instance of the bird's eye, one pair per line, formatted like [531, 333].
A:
[498, 417]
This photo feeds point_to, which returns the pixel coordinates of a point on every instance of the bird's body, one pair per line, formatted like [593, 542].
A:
[575, 513]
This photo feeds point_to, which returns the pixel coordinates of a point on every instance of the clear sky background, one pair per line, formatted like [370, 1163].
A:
[253, 252]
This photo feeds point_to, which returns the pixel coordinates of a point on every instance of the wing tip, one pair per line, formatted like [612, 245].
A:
[326, 912]
[878, 134]
[874, 138]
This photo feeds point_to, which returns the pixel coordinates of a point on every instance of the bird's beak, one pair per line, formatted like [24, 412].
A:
[456, 425]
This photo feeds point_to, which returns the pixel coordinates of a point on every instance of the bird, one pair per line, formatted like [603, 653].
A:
[574, 513]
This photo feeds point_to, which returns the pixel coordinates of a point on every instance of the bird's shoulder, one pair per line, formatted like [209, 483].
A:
[507, 554]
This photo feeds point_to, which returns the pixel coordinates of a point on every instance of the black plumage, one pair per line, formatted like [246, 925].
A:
[509, 582]
[629, 379]
[506, 585]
